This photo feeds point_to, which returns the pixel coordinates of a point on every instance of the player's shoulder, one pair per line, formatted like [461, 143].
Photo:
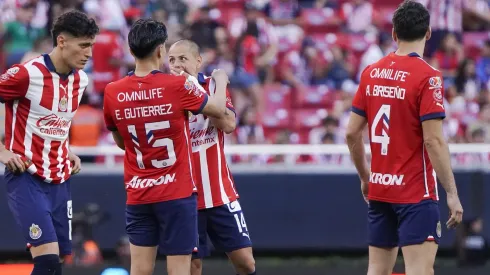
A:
[421, 66]
[17, 73]
[114, 86]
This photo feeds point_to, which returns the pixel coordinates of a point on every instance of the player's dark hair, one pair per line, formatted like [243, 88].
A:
[75, 23]
[411, 21]
[145, 36]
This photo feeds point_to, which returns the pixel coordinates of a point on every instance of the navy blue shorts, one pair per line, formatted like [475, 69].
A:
[392, 225]
[42, 210]
[170, 225]
[226, 227]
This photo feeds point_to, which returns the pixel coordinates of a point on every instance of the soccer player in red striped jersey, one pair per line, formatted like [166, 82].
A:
[400, 99]
[41, 97]
[147, 112]
[220, 214]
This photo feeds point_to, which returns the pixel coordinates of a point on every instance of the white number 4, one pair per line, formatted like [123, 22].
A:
[384, 139]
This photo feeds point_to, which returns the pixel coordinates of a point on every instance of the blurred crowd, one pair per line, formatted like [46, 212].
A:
[294, 65]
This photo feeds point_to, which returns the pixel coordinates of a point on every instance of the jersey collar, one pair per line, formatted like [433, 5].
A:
[50, 66]
[414, 54]
[201, 79]
[152, 72]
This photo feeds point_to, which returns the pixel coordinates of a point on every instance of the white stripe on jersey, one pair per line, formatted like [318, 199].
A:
[82, 83]
[46, 150]
[425, 174]
[68, 162]
[189, 153]
[224, 197]
[69, 92]
[59, 159]
[206, 183]
[56, 89]
[14, 107]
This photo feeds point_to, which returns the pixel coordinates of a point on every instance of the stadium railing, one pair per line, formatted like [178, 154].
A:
[474, 156]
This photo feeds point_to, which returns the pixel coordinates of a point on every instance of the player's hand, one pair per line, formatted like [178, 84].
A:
[14, 163]
[76, 163]
[220, 75]
[455, 211]
[364, 190]
[180, 72]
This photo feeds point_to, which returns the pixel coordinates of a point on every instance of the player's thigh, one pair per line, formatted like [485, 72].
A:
[227, 227]
[27, 200]
[419, 258]
[142, 259]
[179, 264]
[382, 260]
[418, 223]
[382, 225]
[419, 232]
[196, 266]
[177, 221]
[203, 249]
[62, 213]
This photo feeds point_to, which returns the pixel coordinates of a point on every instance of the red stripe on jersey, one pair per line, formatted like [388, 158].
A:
[9, 117]
[53, 160]
[48, 89]
[37, 153]
[19, 133]
[76, 87]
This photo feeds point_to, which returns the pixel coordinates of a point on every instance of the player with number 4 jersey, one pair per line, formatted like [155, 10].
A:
[400, 98]
[147, 112]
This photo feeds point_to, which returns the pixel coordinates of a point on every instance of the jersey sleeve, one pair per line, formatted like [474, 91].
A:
[14, 83]
[108, 119]
[359, 101]
[193, 97]
[431, 98]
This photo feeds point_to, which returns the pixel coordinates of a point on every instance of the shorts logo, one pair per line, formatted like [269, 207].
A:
[438, 95]
[438, 229]
[35, 232]
[234, 207]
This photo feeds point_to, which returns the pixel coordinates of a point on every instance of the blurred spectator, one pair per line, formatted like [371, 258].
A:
[477, 16]
[249, 131]
[358, 16]
[203, 30]
[320, 4]
[283, 12]
[448, 56]
[339, 70]
[329, 126]
[40, 46]
[376, 51]
[467, 83]
[19, 35]
[482, 123]
[473, 249]
[478, 136]
[483, 64]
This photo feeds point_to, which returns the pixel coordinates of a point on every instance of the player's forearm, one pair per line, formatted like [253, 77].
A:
[227, 123]
[358, 154]
[220, 98]
[439, 157]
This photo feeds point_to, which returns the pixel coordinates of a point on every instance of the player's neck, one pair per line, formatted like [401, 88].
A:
[145, 67]
[60, 66]
[406, 48]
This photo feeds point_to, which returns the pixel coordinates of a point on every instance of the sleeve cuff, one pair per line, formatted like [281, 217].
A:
[440, 115]
[205, 101]
[358, 111]
[112, 128]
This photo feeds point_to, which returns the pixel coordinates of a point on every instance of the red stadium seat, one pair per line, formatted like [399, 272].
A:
[319, 20]
[306, 119]
[277, 101]
[230, 4]
[354, 42]
[473, 42]
[315, 96]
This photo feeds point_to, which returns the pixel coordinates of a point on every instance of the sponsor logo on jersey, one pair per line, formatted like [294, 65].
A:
[12, 71]
[435, 82]
[386, 179]
[138, 183]
[53, 125]
[35, 232]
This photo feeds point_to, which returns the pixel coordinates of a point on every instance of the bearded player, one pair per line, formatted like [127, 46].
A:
[147, 112]
[400, 98]
[220, 214]
[41, 97]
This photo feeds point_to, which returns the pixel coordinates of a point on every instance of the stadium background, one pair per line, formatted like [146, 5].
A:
[293, 67]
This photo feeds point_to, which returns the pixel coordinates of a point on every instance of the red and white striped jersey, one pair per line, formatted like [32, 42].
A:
[214, 180]
[39, 107]
[446, 15]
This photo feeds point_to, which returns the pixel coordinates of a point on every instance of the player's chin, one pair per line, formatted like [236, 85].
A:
[80, 65]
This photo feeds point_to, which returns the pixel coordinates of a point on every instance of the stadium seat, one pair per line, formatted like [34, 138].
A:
[277, 101]
[473, 42]
[315, 96]
[230, 4]
[306, 119]
[319, 20]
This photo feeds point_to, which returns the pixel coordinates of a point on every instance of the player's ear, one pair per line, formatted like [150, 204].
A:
[428, 34]
[61, 40]
[393, 35]
[199, 62]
